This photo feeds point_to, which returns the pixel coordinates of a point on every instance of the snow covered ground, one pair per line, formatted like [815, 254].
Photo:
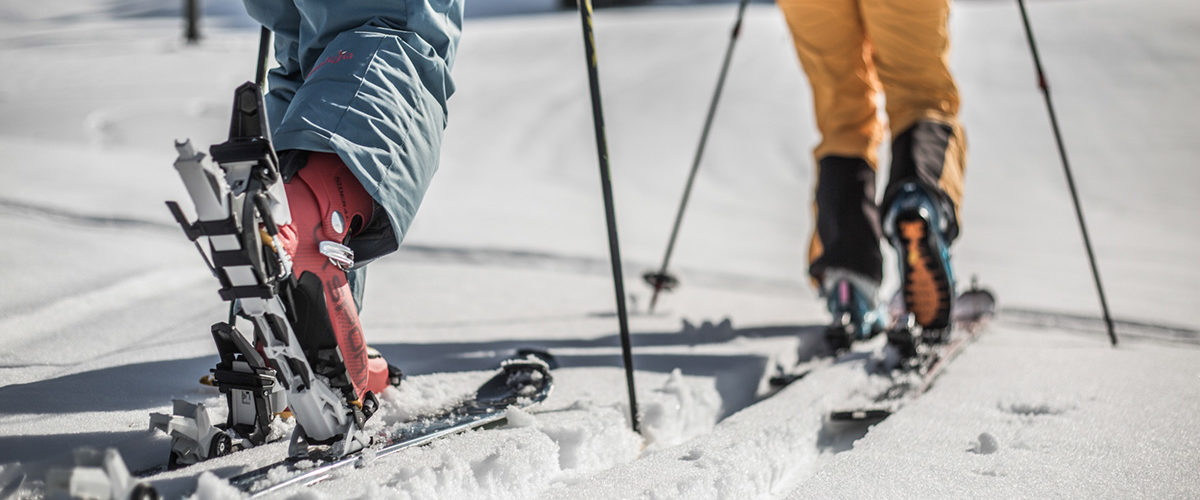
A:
[104, 307]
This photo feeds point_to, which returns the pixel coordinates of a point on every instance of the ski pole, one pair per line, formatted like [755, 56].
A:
[191, 11]
[1062, 153]
[661, 280]
[264, 46]
[614, 247]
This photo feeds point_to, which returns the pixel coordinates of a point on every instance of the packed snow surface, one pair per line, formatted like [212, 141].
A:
[105, 308]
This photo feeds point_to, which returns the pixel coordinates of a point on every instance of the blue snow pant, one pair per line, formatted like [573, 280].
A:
[367, 80]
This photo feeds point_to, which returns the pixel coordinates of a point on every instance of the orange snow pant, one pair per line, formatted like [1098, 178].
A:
[851, 50]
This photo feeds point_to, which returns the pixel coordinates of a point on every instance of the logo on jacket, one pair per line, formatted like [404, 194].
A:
[342, 55]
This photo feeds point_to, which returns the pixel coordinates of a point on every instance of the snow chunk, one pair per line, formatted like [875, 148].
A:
[499, 463]
[276, 475]
[314, 495]
[678, 411]
[1029, 409]
[368, 457]
[518, 418]
[591, 438]
[211, 487]
[985, 445]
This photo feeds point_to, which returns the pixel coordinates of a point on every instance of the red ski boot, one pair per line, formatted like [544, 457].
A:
[328, 207]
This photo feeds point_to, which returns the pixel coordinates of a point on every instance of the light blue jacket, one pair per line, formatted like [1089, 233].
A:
[367, 80]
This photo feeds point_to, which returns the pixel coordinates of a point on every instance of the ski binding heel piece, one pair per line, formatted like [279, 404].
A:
[193, 436]
[252, 395]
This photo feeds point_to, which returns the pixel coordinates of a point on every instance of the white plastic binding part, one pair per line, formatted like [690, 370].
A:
[96, 473]
[340, 255]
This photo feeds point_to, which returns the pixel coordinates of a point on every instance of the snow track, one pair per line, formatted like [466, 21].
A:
[72, 310]
[1015, 404]
[572, 435]
[761, 451]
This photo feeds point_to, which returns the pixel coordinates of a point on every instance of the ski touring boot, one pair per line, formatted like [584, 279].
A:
[916, 227]
[851, 299]
[292, 339]
[327, 206]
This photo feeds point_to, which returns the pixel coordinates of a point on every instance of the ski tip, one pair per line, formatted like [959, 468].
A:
[540, 354]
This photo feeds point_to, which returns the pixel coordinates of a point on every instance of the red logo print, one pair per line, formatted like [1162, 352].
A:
[342, 55]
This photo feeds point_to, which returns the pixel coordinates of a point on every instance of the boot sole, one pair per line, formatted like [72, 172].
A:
[925, 284]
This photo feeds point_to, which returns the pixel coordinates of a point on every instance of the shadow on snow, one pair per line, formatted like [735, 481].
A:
[152, 385]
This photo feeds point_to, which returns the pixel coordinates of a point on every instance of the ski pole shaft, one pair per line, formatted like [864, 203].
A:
[614, 247]
[1062, 153]
[708, 121]
[191, 9]
[264, 48]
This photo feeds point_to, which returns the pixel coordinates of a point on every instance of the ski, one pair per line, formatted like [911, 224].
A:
[971, 311]
[521, 383]
[918, 371]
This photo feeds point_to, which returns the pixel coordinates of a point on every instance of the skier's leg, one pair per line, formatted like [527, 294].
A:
[928, 151]
[846, 258]
[911, 43]
[376, 81]
[844, 255]
[833, 49]
[847, 229]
